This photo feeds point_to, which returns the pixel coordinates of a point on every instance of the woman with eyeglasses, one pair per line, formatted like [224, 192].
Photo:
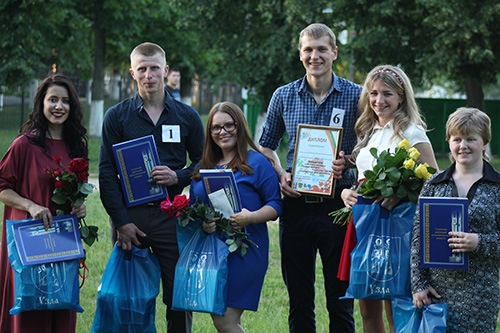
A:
[228, 144]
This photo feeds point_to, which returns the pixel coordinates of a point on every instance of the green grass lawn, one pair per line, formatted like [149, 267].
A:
[273, 310]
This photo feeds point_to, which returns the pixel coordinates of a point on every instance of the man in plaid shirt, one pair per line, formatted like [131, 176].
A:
[318, 98]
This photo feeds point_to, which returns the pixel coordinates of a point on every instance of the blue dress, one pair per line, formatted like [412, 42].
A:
[246, 274]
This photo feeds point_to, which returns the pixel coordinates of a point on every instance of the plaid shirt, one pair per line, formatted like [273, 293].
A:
[294, 104]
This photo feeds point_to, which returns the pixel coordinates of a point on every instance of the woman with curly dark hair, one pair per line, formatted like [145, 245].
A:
[54, 128]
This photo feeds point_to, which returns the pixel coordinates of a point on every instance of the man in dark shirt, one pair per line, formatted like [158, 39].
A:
[173, 79]
[177, 129]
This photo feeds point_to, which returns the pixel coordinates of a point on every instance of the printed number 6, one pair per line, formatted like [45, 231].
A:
[336, 119]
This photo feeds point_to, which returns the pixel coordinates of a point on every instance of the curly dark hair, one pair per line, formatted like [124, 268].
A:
[74, 133]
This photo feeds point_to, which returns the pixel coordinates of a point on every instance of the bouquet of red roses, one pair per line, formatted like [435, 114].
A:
[71, 185]
[185, 214]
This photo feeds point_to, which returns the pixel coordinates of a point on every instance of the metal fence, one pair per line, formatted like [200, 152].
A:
[14, 109]
[16, 104]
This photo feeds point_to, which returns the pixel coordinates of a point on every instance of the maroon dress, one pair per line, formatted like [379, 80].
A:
[22, 170]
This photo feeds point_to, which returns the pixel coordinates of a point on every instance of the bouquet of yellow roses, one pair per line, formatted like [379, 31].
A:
[397, 174]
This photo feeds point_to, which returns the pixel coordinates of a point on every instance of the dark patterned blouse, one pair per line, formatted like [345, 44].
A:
[472, 295]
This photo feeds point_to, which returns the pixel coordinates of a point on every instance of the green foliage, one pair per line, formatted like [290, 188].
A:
[256, 41]
[38, 34]
[234, 238]
[396, 175]
[454, 41]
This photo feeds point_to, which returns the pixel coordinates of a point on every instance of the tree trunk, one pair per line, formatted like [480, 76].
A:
[97, 107]
[474, 92]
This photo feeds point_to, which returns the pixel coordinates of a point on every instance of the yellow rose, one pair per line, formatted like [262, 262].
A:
[404, 144]
[427, 175]
[421, 172]
[414, 153]
[409, 164]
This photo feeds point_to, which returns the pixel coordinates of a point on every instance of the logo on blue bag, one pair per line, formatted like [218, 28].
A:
[48, 278]
[384, 260]
[195, 283]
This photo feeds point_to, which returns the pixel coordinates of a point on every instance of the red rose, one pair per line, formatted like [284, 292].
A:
[57, 173]
[180, 202]
[58, 184]
[57, 159]
[166, 207]
[78, 165]
[82, 176]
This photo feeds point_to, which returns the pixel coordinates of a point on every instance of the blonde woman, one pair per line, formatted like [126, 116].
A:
[389, 114]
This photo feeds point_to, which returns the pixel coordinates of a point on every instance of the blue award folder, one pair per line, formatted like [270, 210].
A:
[134, 160]
[438, 216]
[35, 245]
[217, 179]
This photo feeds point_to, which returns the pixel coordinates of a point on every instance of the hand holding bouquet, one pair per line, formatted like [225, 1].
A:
[185, 214]
[71, 185]
[397, 174]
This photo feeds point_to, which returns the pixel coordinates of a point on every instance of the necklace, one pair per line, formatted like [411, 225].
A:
[222, 166]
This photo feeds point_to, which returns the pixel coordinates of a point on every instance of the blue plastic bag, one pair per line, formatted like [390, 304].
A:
[433, 318]
[126, 296]
[201, 275]
[406, 316]
[49, 286]
[409, 319]
[380, 262]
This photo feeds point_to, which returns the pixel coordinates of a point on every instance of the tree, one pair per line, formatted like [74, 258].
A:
[253, 42]
[464, 43]
[36, 35]
[120, 26]
[432, 40]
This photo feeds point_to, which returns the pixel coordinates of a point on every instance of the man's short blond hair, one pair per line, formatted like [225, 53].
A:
[148, 49]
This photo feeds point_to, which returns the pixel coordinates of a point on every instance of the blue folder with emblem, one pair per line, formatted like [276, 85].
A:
[222, 179]
[438, 216]
[134, 160]
[35, 245]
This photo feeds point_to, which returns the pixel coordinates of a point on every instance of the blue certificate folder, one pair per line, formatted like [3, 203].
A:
[134, 160]
[36, 245]
[438, 216]
[216, 179]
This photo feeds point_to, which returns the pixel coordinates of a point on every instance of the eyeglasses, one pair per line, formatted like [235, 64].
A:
[229, 127]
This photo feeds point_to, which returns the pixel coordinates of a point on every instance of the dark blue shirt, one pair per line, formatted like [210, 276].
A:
[129, 120]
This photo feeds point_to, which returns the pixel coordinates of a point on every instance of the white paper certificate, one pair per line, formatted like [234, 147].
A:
[315, 149]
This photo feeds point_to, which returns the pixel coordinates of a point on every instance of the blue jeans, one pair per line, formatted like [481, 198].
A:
[305, 229]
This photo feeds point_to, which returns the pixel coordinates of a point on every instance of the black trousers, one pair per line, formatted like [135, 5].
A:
[305, 229]
[161, 237]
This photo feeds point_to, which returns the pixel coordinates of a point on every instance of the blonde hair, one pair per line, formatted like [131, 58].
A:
[465, 121]
[407, 112]
[318, 30]
[148, 49]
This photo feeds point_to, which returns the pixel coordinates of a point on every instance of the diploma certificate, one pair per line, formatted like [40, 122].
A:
[316, 147]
